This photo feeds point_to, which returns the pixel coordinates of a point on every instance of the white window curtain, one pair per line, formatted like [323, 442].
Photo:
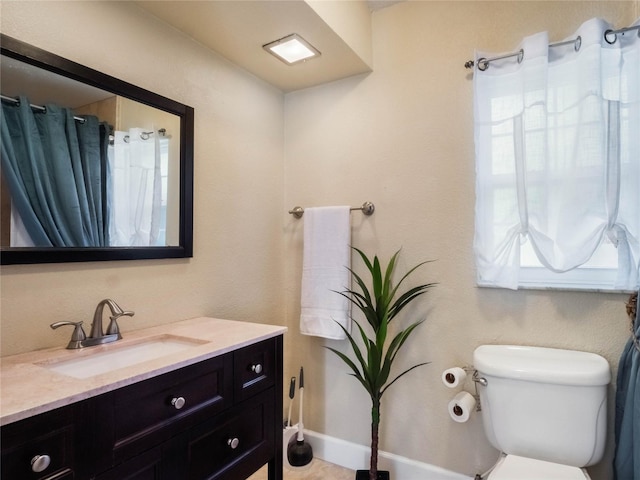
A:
[19, 237]
[136, 188]
[558, 159]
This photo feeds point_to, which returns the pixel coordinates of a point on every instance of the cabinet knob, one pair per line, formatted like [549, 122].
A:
[256, 368]
[178, 402]
[39, 463]
[233, 443]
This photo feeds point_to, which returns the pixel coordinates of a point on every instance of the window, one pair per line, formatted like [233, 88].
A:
[558, 165]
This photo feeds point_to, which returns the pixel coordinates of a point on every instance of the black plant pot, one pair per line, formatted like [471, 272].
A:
[364, 475]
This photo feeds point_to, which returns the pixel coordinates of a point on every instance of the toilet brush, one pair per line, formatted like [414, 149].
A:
[299, 452]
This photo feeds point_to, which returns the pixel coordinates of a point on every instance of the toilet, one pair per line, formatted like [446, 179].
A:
[545, 409]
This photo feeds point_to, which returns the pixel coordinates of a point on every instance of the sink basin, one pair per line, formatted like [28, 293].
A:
[113, 356]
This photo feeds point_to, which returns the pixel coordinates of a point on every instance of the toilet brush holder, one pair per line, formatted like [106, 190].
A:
[287, 433]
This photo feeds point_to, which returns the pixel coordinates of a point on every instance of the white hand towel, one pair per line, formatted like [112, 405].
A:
[327, 255]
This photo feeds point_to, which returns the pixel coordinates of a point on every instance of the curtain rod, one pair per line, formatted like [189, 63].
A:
[143, 136]
[367, 208]
[483, 63]
[39, 108]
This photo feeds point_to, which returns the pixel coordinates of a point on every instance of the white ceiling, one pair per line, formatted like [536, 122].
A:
[237, 30]
[378, 4]
[44, 87]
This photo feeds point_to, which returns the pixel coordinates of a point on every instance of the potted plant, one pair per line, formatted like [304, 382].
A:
[374, 357]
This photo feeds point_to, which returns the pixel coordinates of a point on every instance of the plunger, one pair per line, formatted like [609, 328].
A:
[299, 452]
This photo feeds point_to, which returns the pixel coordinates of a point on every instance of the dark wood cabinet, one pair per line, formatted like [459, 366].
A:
[145, 466]
[220, 450]
[218, 419]
[40, 447]
[154, 410]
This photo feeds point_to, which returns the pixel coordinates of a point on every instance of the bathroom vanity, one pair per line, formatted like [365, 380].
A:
[207, 406]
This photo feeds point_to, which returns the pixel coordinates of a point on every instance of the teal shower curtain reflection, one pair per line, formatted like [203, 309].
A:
[56, 170]
[627, 424]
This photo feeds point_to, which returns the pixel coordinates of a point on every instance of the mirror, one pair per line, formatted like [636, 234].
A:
[126, 112]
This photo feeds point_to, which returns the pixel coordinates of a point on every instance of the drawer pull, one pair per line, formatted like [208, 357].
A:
[39, 463]
[256, 368]
[178, 402]
[233, 443]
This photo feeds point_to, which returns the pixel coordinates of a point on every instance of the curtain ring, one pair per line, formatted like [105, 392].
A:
[578, 43]
[483, 64]
[520, 55]
[606, 37]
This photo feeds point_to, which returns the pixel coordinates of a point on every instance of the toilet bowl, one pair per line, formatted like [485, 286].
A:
[513, 467]
[544, 409]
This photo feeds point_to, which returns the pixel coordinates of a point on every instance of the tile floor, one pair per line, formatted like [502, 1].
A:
[316, 470]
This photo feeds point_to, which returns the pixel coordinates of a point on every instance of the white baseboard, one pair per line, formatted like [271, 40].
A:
[356, 457]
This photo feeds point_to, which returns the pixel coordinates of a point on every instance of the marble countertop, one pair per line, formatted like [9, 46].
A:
[28, 387]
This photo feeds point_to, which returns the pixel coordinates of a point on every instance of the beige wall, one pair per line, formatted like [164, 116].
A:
[402, 137]
[237, 269]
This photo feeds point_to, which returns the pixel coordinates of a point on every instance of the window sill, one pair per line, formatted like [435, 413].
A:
[561, 288]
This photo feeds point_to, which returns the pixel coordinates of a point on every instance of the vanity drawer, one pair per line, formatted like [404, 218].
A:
[49, 434]
[255, 369]
[225, 447]
[152, 411]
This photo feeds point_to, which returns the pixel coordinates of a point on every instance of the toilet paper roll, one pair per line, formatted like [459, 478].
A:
[452, 377]
[461, 406]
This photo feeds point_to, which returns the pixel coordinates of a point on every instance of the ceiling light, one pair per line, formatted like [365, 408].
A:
[292, 49]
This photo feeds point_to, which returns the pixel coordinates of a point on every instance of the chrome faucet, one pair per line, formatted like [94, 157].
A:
[97, 335]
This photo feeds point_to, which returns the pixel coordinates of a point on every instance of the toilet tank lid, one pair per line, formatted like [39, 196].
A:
[541, 364]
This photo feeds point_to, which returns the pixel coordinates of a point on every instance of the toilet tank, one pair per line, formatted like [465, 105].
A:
[544, 403]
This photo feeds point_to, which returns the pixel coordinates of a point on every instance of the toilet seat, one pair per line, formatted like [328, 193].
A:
[513, 467]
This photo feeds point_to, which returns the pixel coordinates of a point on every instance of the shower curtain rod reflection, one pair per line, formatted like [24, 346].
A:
[610, 36]
[39, 108]
[143, 135]
[367, 208]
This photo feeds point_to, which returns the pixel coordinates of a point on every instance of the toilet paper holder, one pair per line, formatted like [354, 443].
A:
[478, 380]
[475, 377]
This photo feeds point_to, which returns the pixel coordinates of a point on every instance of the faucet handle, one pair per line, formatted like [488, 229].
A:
[77, 336]
[113, 328]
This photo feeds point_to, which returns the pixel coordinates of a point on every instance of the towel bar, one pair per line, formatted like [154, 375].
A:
[367, 208]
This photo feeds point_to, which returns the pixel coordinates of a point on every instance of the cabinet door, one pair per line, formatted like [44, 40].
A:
[164, 462]
[64, 475]
[147, 466]
[152, 411]
[255, 369]
[235, 444]
[40, 447]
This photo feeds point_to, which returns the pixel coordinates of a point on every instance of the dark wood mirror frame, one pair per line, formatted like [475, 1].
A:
[21, 51]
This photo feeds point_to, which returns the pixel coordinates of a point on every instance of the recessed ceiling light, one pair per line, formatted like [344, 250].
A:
[292, 49]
